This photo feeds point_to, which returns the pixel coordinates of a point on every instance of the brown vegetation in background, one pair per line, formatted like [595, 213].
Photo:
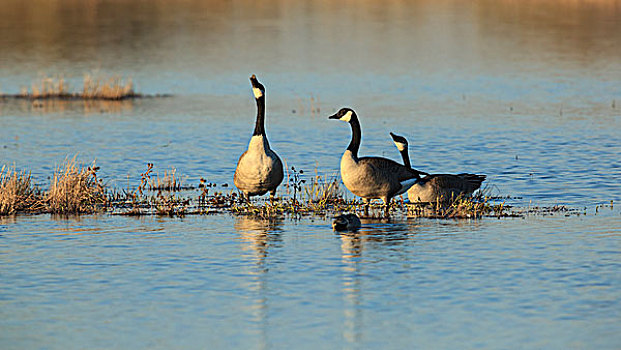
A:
[94, 87]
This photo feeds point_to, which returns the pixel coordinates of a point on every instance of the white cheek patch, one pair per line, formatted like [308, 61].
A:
[346, 117]
[401, 146]
[257, 92]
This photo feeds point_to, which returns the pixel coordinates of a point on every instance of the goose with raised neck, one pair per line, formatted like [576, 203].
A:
[259, 169]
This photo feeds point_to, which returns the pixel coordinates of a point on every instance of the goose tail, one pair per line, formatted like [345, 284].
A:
[475, 180]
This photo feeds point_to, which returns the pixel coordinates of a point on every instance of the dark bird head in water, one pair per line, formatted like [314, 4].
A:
[346, 222]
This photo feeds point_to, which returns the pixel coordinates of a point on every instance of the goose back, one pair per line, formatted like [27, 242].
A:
[444, 187]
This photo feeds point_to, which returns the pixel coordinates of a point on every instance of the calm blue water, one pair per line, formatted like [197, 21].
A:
[527, 94]
[223, 282]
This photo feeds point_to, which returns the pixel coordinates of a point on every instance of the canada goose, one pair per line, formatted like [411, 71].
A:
[371, 177]
[259, 169]
[437, 187]
[346, 222]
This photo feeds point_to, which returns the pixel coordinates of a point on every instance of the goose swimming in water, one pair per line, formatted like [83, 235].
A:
[437, 187]
[346, 222]
[259, 169]
[371, 177]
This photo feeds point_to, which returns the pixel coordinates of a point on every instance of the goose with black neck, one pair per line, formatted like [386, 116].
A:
[371, 177]
[259, 169]
[435, 188]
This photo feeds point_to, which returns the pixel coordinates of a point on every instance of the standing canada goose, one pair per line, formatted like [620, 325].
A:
[437, 187]
[371, 177]
[259, 169]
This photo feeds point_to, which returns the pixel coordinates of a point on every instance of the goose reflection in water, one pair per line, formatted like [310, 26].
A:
[261, 234]
[377, 234]
[373, 231]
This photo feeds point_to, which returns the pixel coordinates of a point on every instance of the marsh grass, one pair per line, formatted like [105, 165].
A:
[94, 87]
[18, 193]
[462, 207]
[319, 196]
[48, 87]
[323, 189]
[171, 205]
[168, 182]
[75, 189]
[112, 88]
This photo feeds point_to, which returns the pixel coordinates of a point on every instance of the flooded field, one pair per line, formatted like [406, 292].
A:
[526, 92]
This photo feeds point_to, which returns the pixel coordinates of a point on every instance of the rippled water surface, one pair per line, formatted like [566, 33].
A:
[527, 92]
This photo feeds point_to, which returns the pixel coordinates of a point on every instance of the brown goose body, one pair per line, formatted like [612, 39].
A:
[371, 177]
[444, 187]
[438, 187]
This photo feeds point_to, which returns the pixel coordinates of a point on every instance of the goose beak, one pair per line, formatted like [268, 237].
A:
[334, 116]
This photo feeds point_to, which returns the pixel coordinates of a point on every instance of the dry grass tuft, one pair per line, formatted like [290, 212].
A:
[171, 205]
[114, 88]
[47, 87]
[94, 87]
[168, 182]
[76, 189]
[17, 192]
[461, 207]
[323, 189]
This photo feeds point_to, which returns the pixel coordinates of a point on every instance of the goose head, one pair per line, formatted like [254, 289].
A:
[344, 114]
[257, 88]
[346, 222]
[400, 141]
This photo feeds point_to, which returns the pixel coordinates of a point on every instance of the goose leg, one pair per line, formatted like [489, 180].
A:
[366, 206]
[272, 195]
[387, 209]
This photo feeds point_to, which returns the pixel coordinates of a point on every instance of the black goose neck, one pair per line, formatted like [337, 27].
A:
[406, 158]
[259, 127]
[356, 135]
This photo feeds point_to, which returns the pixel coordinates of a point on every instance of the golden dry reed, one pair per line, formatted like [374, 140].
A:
[113, 88]
[17, 192]
[94, 87]
[75, 189]
[168, 182]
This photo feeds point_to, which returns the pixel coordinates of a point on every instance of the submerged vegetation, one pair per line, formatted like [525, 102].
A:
[77, 189]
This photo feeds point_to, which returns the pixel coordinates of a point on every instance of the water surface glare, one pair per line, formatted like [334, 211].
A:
[527, 92]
